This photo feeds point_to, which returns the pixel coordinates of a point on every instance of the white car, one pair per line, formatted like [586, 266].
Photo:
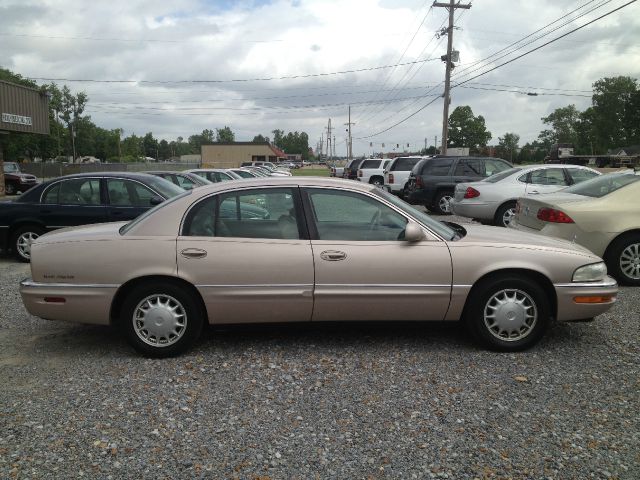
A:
[372, 171]
[396, 175]
[493, 200]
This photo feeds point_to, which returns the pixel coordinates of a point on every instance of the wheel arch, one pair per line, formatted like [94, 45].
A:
[23, 223]
[607, 251]
[379, 177]
[540, 278]
[125, 289]
[503, 204]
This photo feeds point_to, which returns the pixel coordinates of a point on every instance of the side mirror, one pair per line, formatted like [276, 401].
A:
[413, 232]
[156, 200]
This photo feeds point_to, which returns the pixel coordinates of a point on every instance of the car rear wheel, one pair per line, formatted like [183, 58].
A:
[442, 203]
[377, 181]
[505, 214]
[161, 319]
[507, 313]
[623, 259]
[22, 239]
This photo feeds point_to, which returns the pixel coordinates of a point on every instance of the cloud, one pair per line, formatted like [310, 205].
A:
[208, 44]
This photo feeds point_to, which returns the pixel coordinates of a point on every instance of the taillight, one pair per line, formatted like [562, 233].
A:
[359, 173]
[391, 178]
[554, 216]
[471, 193]
[419, 183]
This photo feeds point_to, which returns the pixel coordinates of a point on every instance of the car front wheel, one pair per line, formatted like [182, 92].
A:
[623, 259]
[10, 189]
[161, 319]
[507, 313]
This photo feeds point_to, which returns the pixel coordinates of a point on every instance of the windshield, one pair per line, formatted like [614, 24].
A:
[441, 229]
[165, 187]
[603, 185]
[10, 167]
[502, 175]
[125, 228]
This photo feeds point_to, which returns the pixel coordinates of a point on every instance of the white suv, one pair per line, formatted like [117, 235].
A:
[372, 171]
[396, 174]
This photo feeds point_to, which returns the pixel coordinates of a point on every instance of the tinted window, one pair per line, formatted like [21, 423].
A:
[80, 191]
[340, 215]
[603, 185]
[547, 176]
[502, 175]
[265, 213]
[437, 167]
[580, 175]
[471, 167]
[403, 164]
[370, 164]
[127, 193]
[493, 166]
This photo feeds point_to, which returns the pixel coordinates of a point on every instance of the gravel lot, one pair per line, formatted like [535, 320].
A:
[356, 401]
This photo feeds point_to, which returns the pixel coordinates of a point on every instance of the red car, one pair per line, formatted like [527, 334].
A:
[15, 181]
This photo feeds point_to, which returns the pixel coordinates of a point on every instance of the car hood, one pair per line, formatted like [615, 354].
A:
[506, 237]
[95, 231]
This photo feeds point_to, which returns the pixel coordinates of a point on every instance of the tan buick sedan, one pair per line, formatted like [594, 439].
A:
[299, 249]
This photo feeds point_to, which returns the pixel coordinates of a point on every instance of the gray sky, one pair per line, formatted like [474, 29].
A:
[197, 48]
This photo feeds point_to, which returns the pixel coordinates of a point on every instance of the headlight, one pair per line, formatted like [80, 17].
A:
[590, 273]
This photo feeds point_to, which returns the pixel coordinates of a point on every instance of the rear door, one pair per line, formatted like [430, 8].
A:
[364, 270]
[545, 180]
[249, 255]
[71, 202]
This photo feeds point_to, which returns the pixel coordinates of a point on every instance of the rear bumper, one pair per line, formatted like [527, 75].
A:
[569, 310]
[68, 302]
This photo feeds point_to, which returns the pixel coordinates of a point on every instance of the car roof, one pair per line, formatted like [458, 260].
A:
[132, 175]
[301, 181]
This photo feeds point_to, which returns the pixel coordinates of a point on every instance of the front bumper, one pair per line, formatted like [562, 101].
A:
[68, 302]
[569, 310]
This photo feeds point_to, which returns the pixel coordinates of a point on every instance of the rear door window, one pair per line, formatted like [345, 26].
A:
[469, 167]
[548, 176]
[370, 164]
[403, 164]
[437, 167]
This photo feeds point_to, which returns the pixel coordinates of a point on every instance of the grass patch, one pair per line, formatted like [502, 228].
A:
[310, 172]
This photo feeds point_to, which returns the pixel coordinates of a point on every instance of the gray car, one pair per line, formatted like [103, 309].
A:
[493, 200]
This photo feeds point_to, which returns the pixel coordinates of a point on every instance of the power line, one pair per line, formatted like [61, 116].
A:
[264, 79]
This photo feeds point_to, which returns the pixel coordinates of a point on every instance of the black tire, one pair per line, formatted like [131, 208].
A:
[623, 259]
[377, 181]
[21, 240]
[9, 189]
[492, 332]
[505, 214]
[441, 203]
[175, 306]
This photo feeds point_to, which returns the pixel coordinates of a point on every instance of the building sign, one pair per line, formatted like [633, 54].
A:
[17, 119]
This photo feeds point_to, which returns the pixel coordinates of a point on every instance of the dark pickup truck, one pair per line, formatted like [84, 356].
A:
[78, 200]
[15, 181]
[432, 181]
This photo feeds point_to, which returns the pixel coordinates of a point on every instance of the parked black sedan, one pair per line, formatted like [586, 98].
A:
[77, 200]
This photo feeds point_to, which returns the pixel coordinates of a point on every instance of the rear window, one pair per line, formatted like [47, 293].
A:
[603, 185]
[403, 164]
[499, 176]
[437, 167]
[370, 164]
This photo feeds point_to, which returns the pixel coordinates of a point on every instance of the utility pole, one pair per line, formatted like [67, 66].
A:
[329, 145]
[447, 58]
[435, 144]
[349, 145]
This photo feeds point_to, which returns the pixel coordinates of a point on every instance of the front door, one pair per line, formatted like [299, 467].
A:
[364, 269]
[127, 198]
[248, 254]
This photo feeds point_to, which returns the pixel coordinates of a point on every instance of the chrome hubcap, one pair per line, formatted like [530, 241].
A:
[159, 320]
[444, 204]
[510, 315]
[508, 216]
[24, 242]
[630, 261]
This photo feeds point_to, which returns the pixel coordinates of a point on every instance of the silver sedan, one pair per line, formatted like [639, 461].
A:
[493, 200]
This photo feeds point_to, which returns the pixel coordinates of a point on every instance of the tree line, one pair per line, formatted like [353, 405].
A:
[612, 121]
[74, 135]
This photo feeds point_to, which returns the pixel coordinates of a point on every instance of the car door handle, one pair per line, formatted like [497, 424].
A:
[193, 253]
[116, 212]
[534, 192]
[333, 255]
[45, 211]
